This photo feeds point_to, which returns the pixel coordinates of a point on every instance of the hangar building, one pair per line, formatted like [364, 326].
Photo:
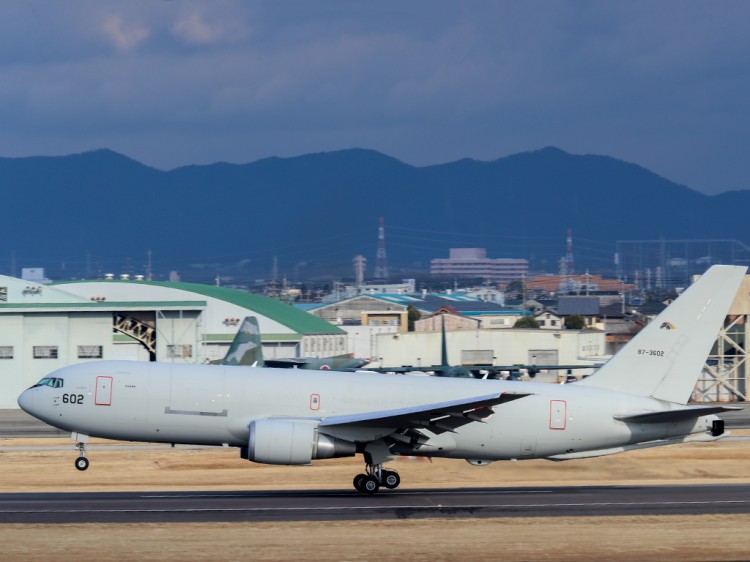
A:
[45, 327]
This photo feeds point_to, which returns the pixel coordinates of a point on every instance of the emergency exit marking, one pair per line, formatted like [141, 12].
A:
[315, 401]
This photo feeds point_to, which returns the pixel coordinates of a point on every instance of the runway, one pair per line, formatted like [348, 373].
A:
[240, 506]
[346, 504]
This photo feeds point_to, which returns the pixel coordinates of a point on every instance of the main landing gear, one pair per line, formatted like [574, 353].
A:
[82, 463]
[374, 477]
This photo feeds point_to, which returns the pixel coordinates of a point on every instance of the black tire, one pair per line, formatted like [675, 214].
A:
[391, 479]
[82, 463]
[358, 482]
[370, 485]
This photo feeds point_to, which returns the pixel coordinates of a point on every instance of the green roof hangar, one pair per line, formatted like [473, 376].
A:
[45, 327]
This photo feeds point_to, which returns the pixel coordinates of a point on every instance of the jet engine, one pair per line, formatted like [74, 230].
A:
[292, 442]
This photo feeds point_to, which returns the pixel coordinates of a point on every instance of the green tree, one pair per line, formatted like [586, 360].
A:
[514, 288]
[575, 322]
[412, 316]
[526, 322]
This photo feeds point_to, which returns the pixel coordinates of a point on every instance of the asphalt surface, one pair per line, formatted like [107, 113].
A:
[136, 507]
[166, 507]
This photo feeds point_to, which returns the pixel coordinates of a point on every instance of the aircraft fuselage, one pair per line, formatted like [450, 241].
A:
[214, 405]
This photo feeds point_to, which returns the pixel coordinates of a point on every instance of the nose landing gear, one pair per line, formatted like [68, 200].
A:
[82, 463]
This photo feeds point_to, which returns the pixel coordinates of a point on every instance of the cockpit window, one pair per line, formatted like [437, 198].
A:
[54, 382]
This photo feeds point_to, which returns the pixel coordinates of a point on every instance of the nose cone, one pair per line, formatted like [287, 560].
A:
[26, 401]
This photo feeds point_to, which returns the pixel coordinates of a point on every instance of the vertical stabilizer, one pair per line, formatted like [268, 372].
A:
[664, 360]
[246, 347]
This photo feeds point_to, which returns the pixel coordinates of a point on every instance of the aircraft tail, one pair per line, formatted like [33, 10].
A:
[664, 360]
[246, 347]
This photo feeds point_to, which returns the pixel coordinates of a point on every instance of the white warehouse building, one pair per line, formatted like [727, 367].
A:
[45, 327]
[492, 347]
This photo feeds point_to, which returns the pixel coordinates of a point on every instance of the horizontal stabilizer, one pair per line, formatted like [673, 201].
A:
[674, 415]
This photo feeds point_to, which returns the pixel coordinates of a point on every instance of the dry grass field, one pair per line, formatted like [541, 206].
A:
[585, 539]
[684, 538]
[48, 467]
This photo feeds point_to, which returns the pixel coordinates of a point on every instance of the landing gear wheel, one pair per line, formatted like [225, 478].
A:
[370, 485]
[358, 482]
[82, 463]
[391, 479]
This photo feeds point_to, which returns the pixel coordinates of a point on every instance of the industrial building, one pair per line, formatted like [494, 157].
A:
[473, 263]
[391, 309]
[377, 328]
[492, 347]
[45, 327]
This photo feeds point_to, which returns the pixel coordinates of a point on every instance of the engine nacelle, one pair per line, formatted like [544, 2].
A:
[292, 442]
[478, 462]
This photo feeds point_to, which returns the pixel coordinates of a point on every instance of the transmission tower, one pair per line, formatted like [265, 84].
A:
[569, 263]
[381, 263]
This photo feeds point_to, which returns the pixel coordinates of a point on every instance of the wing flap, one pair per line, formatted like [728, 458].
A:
[438, 417]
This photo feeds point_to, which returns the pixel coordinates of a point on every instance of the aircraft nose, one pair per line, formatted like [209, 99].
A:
[26, 401]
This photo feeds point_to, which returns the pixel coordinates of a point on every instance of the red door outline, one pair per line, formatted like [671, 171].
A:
[558, 414]
[103, 391]
[315, 401]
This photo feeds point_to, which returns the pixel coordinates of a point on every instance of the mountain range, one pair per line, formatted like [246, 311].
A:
[99, 211]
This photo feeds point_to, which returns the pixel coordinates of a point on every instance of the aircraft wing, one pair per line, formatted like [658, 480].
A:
[438, 417]
[534, 368]
[284, 363]
[333, 363]
[396, 370]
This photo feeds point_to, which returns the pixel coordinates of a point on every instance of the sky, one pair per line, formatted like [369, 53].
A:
[663, 84]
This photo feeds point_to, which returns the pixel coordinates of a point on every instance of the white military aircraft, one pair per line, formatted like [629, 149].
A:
[290, 416]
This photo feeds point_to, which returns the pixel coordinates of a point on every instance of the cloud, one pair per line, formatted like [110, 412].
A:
[426, 81]
[125, 37]
[196, 29]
